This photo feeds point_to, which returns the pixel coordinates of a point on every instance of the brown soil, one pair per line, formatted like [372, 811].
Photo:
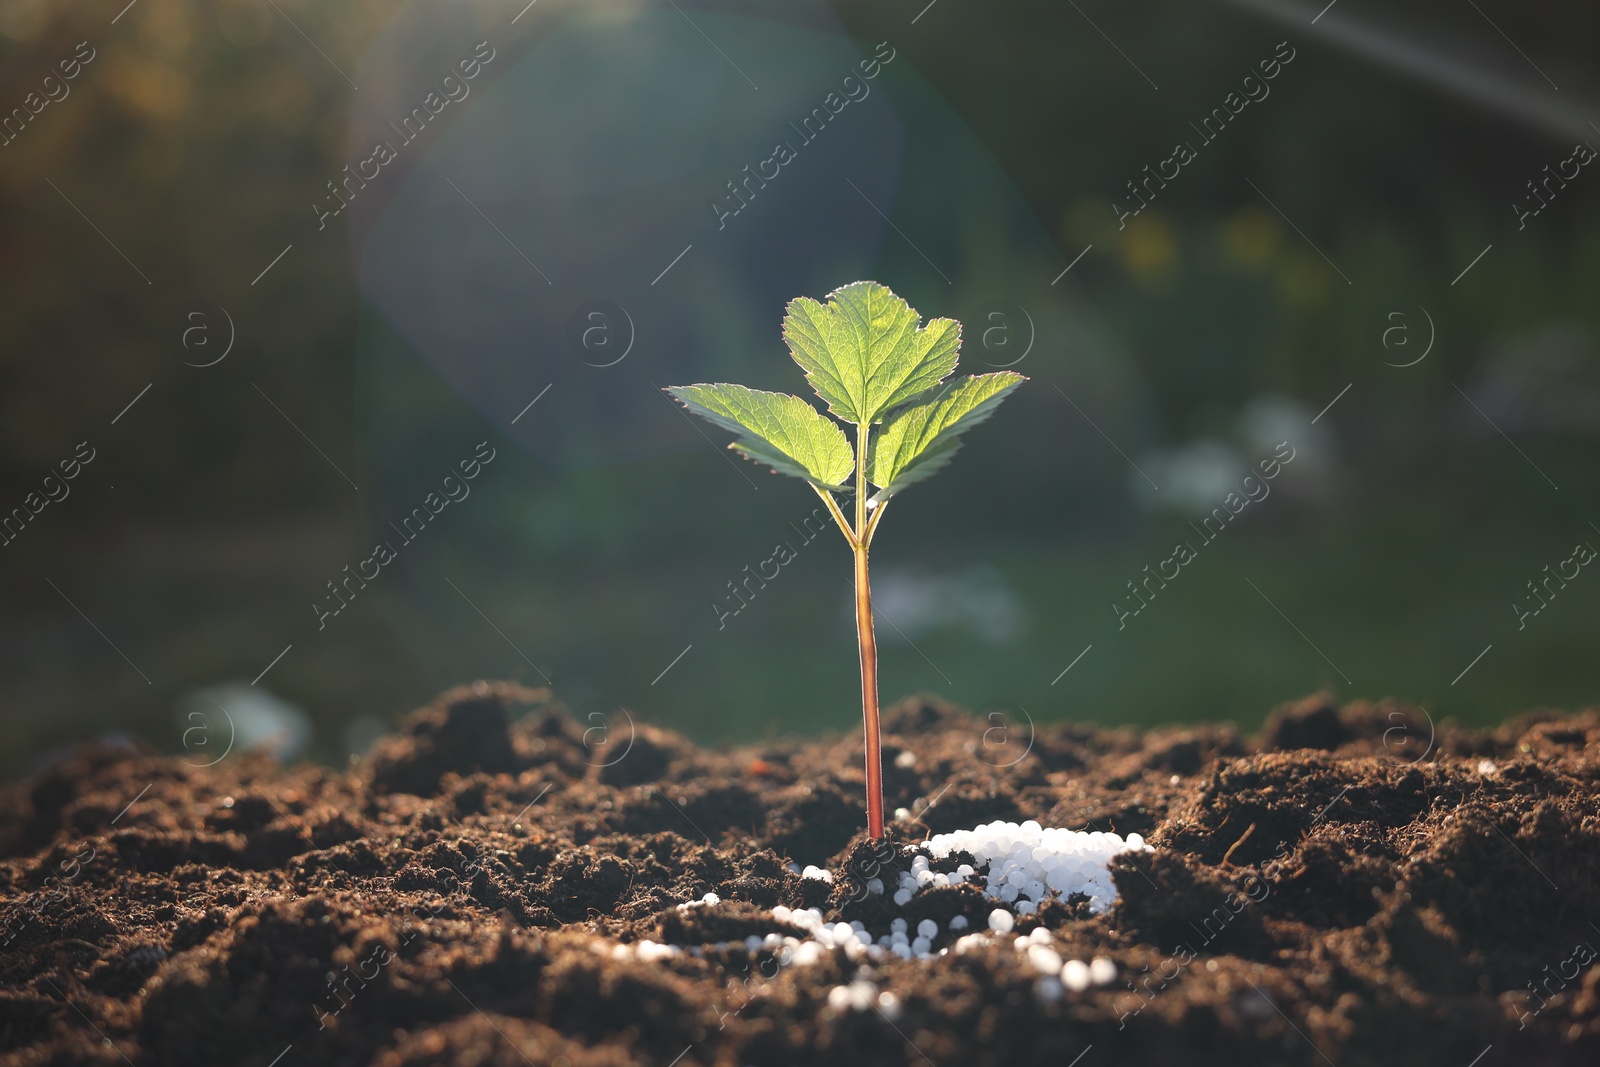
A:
[1324, 892]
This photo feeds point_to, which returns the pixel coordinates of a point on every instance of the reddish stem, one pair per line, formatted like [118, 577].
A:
[869, 696]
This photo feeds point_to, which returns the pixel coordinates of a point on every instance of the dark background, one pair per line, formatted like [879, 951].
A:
[380, 350]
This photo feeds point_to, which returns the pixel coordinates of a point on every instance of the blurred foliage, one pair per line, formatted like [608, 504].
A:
[194, 139]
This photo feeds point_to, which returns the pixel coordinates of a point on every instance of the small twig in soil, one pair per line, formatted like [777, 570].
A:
[1227, 857]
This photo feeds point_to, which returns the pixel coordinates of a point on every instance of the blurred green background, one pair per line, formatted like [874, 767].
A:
[385, 345]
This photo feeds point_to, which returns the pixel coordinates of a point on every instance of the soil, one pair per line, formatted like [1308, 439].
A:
[1350, 886]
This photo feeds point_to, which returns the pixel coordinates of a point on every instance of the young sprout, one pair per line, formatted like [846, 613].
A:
[879, 371]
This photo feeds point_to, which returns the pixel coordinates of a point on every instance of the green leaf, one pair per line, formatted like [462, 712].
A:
[921, 437]
[782, 431]
[863, 352]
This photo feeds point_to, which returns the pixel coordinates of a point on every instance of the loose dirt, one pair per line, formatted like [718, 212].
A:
[1351, 886]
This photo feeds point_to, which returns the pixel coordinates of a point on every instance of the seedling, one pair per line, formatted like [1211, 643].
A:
[871, 363]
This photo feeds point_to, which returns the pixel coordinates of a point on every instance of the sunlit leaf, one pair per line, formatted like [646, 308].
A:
[921, 437]
[863, 351]
[782, 431]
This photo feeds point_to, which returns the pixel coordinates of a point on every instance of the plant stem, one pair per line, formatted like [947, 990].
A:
[838, 516]
[877, 517]
[869, 696]
[869, 646]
